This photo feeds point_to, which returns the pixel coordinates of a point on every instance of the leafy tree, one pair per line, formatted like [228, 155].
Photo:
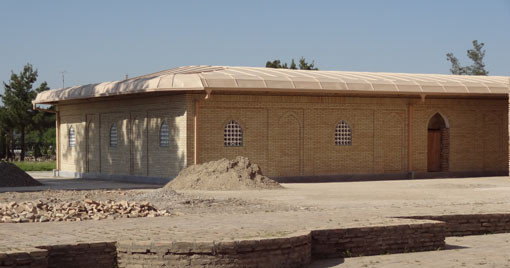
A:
[49, 141]
[17, 100]
[7, 134]
[276, 64]
[292, 65]
[476, 54]
[303, 65]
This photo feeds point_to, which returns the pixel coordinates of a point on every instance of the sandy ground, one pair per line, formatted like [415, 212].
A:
[389, 198]
[296, 208]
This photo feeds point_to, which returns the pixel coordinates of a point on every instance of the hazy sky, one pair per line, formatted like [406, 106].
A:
[96, 41]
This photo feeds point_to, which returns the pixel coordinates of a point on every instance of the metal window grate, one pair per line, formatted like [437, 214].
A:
[343, 134]
[233, 135]
[163, 135]
[113, 136]
[72, 137]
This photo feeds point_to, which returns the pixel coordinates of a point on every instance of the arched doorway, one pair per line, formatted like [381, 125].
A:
[288, 148]
[438, 144]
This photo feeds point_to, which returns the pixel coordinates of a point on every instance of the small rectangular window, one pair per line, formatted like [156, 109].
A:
[72, 137]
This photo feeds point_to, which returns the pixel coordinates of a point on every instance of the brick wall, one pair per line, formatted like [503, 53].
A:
[353, 242]
[472, 224]
[285, 135]
[289, 251]
[277, 252]
[477, 134]
[138, 122]
[294, 135]
[83, 255]
[24, 257]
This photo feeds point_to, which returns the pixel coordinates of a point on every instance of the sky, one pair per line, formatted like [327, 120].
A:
[96, 41]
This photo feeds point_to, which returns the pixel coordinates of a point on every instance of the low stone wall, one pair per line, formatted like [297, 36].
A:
[100, 255]
[83, 255]
[353, 242]
[24, 257]
[472, 224]
[278, 252]
[290, 251]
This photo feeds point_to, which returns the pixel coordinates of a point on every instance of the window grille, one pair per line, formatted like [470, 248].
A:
[233, 135]
[113, 136]
[343, 134]
[163, 135]
[72, 137]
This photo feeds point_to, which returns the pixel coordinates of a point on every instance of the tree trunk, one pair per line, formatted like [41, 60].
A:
[7, 146]
[22, 156]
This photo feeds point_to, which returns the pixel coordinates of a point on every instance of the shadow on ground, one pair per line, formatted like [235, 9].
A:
[326, 263]
[78, 184]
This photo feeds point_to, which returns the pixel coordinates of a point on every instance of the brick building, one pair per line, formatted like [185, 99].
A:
[293, 123]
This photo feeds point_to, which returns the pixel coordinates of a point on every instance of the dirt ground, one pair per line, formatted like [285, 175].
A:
[295, 208]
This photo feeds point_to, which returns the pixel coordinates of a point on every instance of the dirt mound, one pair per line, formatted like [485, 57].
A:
[223, 174]
[13, 176]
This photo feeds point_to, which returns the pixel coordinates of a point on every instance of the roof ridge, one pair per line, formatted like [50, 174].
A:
[189, 69]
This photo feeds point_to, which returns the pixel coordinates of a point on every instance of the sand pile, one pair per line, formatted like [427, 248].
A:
[223, 174]
[13, 176]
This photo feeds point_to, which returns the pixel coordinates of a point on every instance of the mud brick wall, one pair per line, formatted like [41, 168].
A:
[353, 242]
[472, 224]
[99, 255]
[27, 257]
[279, 252]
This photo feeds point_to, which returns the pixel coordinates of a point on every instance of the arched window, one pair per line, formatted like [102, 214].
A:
[233, 134]
[163, 135]
[72, 137]
[113, 136]
[343, 134]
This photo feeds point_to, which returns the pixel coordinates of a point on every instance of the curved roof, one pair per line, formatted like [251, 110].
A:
[209, 78]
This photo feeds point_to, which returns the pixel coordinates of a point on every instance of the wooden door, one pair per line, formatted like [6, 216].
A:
[434, 151]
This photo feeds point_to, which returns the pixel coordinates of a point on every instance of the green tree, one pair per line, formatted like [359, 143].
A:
[41, 123]
[7, 134]
[303, 65]
[476, 54]
[17, 101]
[276, 64]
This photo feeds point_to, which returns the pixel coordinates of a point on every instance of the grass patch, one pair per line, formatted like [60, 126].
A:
[36, 166]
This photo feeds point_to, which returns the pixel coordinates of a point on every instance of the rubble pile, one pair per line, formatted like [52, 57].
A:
[57, 210]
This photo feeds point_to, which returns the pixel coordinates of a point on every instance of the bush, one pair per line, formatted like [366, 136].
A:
[36, 166]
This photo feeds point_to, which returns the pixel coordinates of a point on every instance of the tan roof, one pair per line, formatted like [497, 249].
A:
[210, 78]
